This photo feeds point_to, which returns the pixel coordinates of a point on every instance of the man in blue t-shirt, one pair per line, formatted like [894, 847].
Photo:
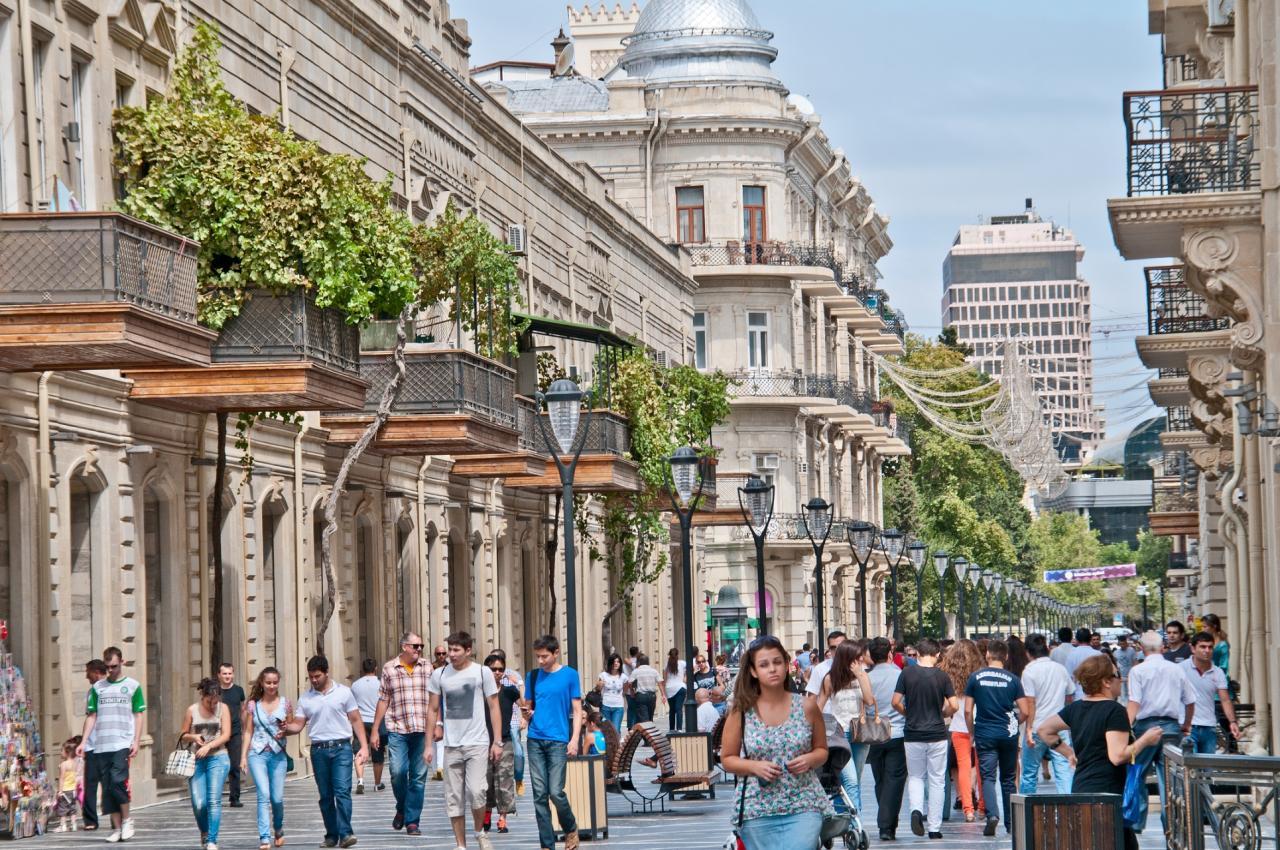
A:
[553, 709]
[993, 705]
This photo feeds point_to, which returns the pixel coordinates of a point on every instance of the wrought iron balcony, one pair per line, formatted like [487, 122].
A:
[275, 328]
[1173, 308]
[894, 322]
[1192, 140]
[794, 527]
[444, 381]
[607, 433]
[1180, 68]
[788, 384]
[1173, 373]
[767, 253]
[1179, 419]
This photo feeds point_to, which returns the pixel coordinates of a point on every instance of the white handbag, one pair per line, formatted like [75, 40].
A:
[181, 762]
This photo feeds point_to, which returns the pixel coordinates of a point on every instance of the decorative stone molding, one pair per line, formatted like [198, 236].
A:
[1212, 461]
[1207, 378]
[1223, 265]
[1213, 424]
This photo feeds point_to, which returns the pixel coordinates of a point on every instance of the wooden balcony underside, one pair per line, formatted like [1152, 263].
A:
[1174, 523]
[499, 465]
[426, 434]
[719, 516]
[293, 385]
[596, 473]
[112, 335]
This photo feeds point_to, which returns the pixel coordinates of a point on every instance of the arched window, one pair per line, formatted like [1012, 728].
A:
[84, 554]
[273, 560]
[370, 605]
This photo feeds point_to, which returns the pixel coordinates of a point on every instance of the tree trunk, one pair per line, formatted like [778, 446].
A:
[552, 541]
[389, 395]
[219, 483]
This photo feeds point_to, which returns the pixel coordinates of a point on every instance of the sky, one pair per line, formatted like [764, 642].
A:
[949, 111]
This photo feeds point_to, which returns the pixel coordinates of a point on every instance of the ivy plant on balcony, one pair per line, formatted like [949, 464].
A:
[271, 211]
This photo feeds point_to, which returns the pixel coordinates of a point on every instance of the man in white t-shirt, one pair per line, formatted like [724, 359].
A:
[365, 690]
[1209, 684]
[1050, 688]
[708, 717]
[461, 692]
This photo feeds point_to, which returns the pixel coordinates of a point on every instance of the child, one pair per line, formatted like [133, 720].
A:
[69, 779]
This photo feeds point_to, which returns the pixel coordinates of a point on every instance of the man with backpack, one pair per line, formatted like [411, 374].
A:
[553, 709]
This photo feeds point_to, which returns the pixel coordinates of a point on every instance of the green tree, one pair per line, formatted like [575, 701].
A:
[1152, 556]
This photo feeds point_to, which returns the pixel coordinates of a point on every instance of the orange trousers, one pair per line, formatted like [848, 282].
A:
[967, 771]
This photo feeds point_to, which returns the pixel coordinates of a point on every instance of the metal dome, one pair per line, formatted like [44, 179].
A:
[700, 42]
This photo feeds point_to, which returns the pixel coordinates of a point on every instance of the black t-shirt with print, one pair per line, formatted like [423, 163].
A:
[1089, 722]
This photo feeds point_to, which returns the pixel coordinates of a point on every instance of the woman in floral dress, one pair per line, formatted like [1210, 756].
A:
[775, 743]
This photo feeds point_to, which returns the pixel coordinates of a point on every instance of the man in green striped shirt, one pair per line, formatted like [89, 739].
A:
[114, 716]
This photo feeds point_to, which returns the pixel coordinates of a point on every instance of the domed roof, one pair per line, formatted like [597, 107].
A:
[700, 42]
[677, 16]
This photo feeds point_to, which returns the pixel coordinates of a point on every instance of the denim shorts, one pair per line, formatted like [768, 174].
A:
[799, 830]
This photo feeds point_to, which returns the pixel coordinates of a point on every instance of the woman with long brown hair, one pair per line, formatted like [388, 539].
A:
[845, 695]
[263, 756]
[674, 690]
[777, 739]
[959, 663]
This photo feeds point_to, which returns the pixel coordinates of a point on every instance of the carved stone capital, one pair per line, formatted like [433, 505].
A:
[1207, 378]
[1212, 461]
[1214, 425]
[1224, 266]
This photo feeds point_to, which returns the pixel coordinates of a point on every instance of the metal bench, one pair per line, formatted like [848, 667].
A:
[644, 794]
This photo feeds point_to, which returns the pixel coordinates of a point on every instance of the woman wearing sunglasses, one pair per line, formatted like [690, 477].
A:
[775, 742]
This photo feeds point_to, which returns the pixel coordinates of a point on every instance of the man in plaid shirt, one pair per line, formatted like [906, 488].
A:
[402, 704]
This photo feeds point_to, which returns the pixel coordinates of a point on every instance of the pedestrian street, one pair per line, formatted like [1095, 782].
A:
[686, 825]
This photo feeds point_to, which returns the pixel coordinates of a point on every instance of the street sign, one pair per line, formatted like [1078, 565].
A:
[1091, 573]
[1117, 619]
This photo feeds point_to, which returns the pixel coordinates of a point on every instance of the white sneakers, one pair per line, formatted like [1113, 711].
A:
[482, 841]
[124, 833]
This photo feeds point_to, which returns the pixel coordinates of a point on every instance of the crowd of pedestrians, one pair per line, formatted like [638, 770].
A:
[1004, 715]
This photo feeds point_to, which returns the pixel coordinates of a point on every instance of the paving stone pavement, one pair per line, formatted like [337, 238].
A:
[686, 825]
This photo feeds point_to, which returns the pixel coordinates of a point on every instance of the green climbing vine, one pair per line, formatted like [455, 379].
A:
[270, 210]
[458, 260]
[245, 423]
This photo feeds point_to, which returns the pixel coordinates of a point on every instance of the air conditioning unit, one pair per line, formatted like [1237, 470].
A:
[660, 358]
[517, 239]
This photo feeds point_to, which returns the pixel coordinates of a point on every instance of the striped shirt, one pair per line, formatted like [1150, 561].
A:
[115, 704]
[406, 696]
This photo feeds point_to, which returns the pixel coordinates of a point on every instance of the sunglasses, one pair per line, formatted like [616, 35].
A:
[416, 646]
[439, 652]
[498, 669]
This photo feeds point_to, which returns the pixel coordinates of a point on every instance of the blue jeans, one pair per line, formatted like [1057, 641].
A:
[546, 768]
[799, 830]
[205, 786]
[675, 705]
[332, 766]
[517, 744]
[1172, 735]
[1032, 755]
[614, 715]
[851, 774]
[1206, 738]
[408, 773]
[998, 756]
[268, 772]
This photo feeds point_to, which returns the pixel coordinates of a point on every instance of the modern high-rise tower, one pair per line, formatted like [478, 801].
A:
[1016, 277]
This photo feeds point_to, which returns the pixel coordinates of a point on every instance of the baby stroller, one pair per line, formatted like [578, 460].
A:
[846, 826]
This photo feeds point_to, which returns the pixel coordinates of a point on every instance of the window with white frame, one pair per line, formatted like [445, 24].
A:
[38, 56]
[700, 340]
[765, 465]
[758, 340]
[82, 107]
[8, 169]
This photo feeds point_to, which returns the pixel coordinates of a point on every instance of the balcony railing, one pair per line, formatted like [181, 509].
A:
[72, 258]
[1179, 419]
[607, 433]
[1173, 308]
[767, 253]
[1169, 372]
[445, 381]
[1180, 68]
[787, 384]
[1185, 141]
[793, 527]
[271, 328]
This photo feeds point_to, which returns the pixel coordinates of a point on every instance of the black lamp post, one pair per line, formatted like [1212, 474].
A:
[1144, 590]
[817, 525]
[988, 583]
[941, 565]
[684, 500]
[563, 401]
[891, 544]
[862, 539]
[916, 552]
[756, 501]
[961, 568]
[1163, 582]
[975, 578]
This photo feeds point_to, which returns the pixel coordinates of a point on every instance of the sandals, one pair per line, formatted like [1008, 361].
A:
[279, 840]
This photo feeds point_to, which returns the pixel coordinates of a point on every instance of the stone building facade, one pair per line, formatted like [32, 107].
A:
[107, 529]
[1201, 206]
[699, 138]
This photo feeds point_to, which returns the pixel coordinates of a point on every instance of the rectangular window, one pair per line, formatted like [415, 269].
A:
[124, 92]
[766, 466]
[81, 89]
[700, 340]
[39, 52]
[690, 215]
[758, 340]
[753, 217]
[8, 167]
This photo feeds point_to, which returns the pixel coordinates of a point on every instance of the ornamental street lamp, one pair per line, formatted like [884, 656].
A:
[961, 568]
[862, 539]
[941, 567]
[975, 579]
[1144, 590]
[997, 582]
[563, 401]
[891, 541]
[916, 552]
[988, 583]
[684, 500]
[756, 501]
[817, 526]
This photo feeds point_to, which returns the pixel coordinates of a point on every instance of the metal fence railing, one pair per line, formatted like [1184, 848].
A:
[606, 433]
[1191, 140]
[1232, 798]
[1173, 307]
[288, 327]
[70, 258]
[445, 381]
[765, 253]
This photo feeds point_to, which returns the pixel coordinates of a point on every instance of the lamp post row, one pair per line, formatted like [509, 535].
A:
[566, 418]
